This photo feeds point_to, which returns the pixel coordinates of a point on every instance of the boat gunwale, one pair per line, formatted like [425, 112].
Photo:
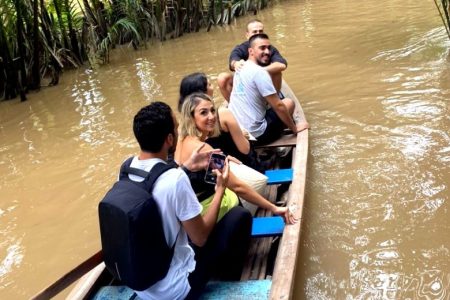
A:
[283, 276]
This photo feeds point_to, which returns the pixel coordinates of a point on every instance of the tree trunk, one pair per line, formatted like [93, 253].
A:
[3, 59]
[61, 24]
[72, 33]
[8, 71]
[20, 61]
[36, 76]
[221, 12]
[52, 63]
[211, 15]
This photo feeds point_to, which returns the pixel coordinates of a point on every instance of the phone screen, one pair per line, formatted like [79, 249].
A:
[216, 161]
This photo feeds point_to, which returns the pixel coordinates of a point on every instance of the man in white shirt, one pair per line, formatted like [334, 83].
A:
[155, 128]
[239, 55]
[253, 92]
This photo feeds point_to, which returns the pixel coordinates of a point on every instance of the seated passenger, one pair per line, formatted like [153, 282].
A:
[231, 140]
[253, 91]
[239, 55]
[198, 122]
[211, 246]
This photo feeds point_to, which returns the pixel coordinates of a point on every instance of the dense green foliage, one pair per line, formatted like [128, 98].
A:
[39, 38]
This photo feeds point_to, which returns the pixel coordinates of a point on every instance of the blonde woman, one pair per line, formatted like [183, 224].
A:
[231, 140]
[198, 123]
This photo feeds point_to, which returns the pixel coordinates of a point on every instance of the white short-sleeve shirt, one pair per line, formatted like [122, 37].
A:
[251, 85]
[177, 202]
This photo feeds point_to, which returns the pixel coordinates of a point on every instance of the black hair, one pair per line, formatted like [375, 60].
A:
[192, 83]
[262, 36]
[151, 126]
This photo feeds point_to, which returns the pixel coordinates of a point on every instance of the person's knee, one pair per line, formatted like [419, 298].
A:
[290, 105]
[244, 218]
[240, 217]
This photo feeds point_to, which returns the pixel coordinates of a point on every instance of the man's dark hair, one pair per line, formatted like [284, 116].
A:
[262, 36]
[192, 83]
[151, 126]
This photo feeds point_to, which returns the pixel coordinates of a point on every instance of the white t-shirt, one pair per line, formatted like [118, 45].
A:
[177, 202]
[247, 103]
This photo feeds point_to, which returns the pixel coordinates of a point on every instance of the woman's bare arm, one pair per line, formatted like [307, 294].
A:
[245, 191]
[228, 121]
[199, 227]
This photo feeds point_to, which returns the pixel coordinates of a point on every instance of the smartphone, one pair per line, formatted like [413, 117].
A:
[216, 161]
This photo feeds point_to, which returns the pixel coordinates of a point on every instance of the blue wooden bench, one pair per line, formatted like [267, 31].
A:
[117, 292]
[272, 226]
[214, 290]
[279, 176]
[267, 226]
[228, 290]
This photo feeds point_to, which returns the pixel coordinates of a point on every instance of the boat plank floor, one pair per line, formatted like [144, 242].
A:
[258, 254]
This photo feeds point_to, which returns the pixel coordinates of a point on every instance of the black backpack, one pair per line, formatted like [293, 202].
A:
[134, 246]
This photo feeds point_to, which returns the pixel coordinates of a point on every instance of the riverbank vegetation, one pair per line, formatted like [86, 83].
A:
[444, 12]
[40, 38]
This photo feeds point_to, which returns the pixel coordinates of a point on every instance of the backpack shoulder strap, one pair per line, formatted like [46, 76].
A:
[125, 169]
[150, 177]
[154, 174]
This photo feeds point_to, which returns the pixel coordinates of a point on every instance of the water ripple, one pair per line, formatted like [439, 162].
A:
[418, 44]
[146, 74]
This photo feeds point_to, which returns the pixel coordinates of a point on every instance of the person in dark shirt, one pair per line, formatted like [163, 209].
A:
[240, 54]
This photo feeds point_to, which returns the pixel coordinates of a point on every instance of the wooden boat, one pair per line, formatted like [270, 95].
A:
[276, 282]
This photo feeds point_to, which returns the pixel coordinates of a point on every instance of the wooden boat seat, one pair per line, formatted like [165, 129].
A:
[267, 226]
[272, 226]
[286, 140]
[250, 289]
[279, 176]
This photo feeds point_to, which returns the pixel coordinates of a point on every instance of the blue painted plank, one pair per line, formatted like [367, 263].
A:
[267, 226]
[119, 292]
[214, 290]
[237, 290]
[279, 176]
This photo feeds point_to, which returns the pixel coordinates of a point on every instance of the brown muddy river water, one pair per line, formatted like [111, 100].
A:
[374, 81]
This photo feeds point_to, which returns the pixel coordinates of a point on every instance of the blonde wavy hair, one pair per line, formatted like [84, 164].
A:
[187, 125]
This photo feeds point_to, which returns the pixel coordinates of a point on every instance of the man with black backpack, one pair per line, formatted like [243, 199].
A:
[155, 128]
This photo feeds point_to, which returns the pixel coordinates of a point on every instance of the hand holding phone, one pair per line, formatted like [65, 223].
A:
[216, 162]
[222, 176]
[199, 159]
